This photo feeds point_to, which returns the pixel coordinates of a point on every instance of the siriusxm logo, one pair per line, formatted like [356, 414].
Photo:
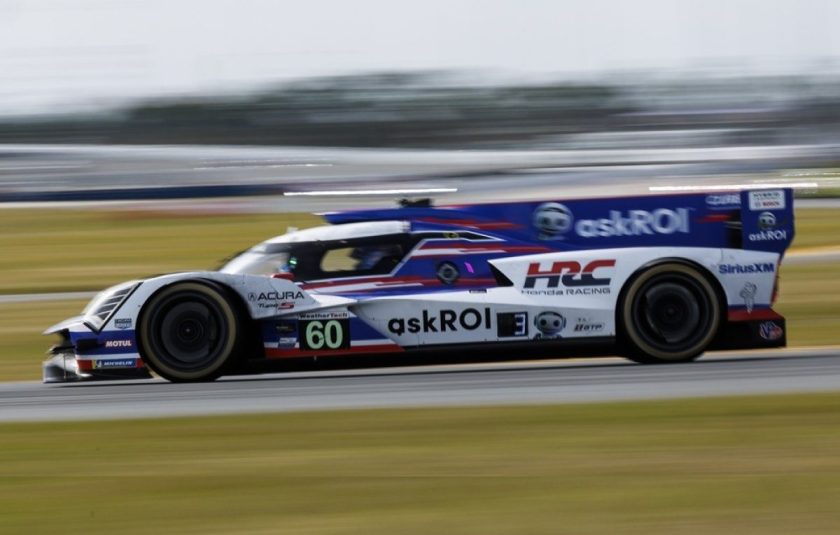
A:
[635, 223]
[741, 269]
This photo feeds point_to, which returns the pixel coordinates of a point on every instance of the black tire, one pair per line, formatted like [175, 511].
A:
[669, 313]
[189, 331]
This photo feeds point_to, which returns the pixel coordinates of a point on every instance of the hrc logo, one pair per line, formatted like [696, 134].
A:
[569, 273]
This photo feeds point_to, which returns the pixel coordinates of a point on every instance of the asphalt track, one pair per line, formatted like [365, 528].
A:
[532, 382]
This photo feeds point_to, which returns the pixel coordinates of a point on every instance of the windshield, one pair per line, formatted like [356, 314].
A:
[308, 261]
[259, 263]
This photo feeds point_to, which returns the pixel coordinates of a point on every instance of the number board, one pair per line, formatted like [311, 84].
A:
[324, 334]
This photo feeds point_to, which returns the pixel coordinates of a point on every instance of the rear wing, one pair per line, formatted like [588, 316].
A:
[767, 219]
[760, 220]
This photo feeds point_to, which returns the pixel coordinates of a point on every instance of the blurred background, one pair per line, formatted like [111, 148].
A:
[148, 136]
[142, 137]
[128, 99]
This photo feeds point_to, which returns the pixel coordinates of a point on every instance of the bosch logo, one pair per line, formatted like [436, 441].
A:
[767, 200]
[552, 219]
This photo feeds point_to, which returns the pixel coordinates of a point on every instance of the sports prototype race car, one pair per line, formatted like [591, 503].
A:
[657, 279]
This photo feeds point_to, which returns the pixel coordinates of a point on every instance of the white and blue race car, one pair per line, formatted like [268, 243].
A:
[655, 278]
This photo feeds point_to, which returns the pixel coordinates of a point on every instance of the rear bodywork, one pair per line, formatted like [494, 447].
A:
[477, 276]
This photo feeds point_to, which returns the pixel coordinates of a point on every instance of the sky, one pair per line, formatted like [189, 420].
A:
[61, 54]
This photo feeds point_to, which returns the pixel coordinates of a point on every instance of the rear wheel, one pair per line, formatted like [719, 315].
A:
[669, 313]
[189, 331]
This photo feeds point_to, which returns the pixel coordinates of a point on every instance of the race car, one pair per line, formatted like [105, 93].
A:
[658, 279]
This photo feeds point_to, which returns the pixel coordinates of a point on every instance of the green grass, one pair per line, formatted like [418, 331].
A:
[817, 227]
[734, 465]
[821, 193]
[22, 347]
[64, 250]
[809, 299]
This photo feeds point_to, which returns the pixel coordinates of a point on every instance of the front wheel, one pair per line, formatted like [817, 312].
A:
[189, 331]
[669, 313]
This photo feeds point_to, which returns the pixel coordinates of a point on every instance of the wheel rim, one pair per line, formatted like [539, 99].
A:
[187, 332]
[673, 313]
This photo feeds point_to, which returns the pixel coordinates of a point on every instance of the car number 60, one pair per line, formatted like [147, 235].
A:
[330, 334]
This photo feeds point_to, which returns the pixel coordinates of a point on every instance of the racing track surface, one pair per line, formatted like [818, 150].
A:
[554, 381]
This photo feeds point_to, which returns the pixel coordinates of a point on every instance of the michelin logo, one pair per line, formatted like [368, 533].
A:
[114, 363]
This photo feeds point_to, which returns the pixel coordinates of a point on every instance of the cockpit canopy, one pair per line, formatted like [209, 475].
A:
[349, 250]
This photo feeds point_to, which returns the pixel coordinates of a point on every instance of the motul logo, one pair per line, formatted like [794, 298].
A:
[569, 273]
[118, 343]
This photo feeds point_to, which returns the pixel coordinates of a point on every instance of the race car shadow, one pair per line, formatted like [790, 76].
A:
[581, 359]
